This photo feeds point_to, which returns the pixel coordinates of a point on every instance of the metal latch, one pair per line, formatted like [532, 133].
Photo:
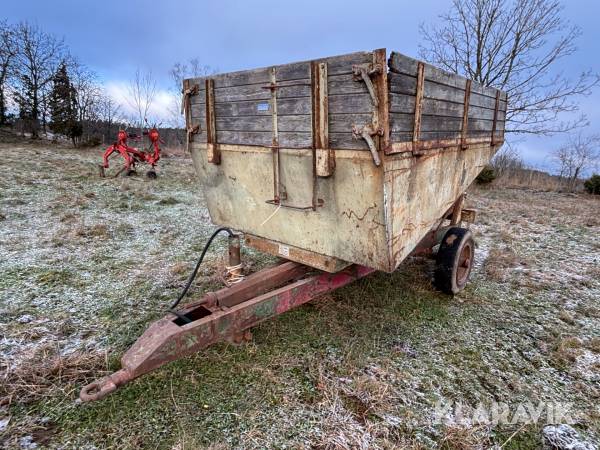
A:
[364, 72]
[366, 132]
[186, 108]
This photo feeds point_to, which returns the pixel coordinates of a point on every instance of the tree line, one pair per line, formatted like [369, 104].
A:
[45, 89]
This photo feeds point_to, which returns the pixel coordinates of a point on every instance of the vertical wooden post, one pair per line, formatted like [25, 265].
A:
[418, 105]
[212, 147]
[381, 85]
[495, 124]
[324, 156]
[465, 123]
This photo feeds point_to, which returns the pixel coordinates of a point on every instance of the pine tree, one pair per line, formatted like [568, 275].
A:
[63, 106]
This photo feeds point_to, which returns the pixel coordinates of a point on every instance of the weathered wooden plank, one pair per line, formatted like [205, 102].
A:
[200, 97]
[405, 104]
[476, 125]
[346, 141]
[345, 84]
[198, 111]
[264, 123]
[425, 136]
[336, 65]
[292, 106]
[350, 104]
[404, 84]
[295, 139]
[264, 138]
[299, 90]
[343, 123]
[405, 123]
[242, 93]
[403, 64]
[254, 76]
[295, 89]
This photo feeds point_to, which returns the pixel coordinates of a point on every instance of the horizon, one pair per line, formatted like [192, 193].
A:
[271, 33]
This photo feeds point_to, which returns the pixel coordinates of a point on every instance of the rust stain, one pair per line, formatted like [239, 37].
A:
[349, 213]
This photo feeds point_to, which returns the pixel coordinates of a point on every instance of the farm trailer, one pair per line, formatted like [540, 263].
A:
[341, 166]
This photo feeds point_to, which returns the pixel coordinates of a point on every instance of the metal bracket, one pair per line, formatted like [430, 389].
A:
[186, 108]
[366, 133]
[187, 93]
[364, 72]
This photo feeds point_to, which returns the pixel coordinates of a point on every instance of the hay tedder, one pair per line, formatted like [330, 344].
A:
[132, 155]
[341, 166]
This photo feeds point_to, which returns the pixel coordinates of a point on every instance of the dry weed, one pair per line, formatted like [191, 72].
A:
[44, 371]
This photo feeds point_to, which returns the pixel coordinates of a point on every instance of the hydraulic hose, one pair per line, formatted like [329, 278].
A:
[195, 272]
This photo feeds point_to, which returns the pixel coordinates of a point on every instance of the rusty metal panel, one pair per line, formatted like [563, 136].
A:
[348, 225]
[418, 190]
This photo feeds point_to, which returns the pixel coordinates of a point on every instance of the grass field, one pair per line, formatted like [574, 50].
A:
[87, 263]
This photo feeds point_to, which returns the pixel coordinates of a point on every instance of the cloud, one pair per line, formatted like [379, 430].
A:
[164, 107]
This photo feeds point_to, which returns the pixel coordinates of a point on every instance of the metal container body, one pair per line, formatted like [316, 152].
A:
[349, 159]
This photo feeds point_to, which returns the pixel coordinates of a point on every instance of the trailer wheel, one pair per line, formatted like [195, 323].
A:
[151, 174]
[454, 261]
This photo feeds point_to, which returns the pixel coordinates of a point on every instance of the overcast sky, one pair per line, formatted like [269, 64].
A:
[114, 37]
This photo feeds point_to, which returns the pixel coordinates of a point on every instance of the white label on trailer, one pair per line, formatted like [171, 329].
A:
[262, 107]
[284, 250]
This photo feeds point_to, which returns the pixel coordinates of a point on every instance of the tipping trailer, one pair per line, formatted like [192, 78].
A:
[342, 166]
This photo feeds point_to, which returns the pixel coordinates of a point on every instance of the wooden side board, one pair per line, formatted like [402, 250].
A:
[451, 107]
[244, 106]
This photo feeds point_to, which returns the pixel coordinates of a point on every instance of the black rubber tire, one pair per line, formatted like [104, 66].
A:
[129, 173]
[151, 174]
[454, 261]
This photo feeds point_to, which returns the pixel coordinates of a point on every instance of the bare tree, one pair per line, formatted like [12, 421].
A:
[178, 73]
[108, 112]
[8, 52]
[517, 46]
[507, 161]
[36, 62]
[579, 154]
[87, 90]
[142, 91]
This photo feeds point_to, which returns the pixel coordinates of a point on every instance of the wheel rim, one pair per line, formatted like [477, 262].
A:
[465, 261]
